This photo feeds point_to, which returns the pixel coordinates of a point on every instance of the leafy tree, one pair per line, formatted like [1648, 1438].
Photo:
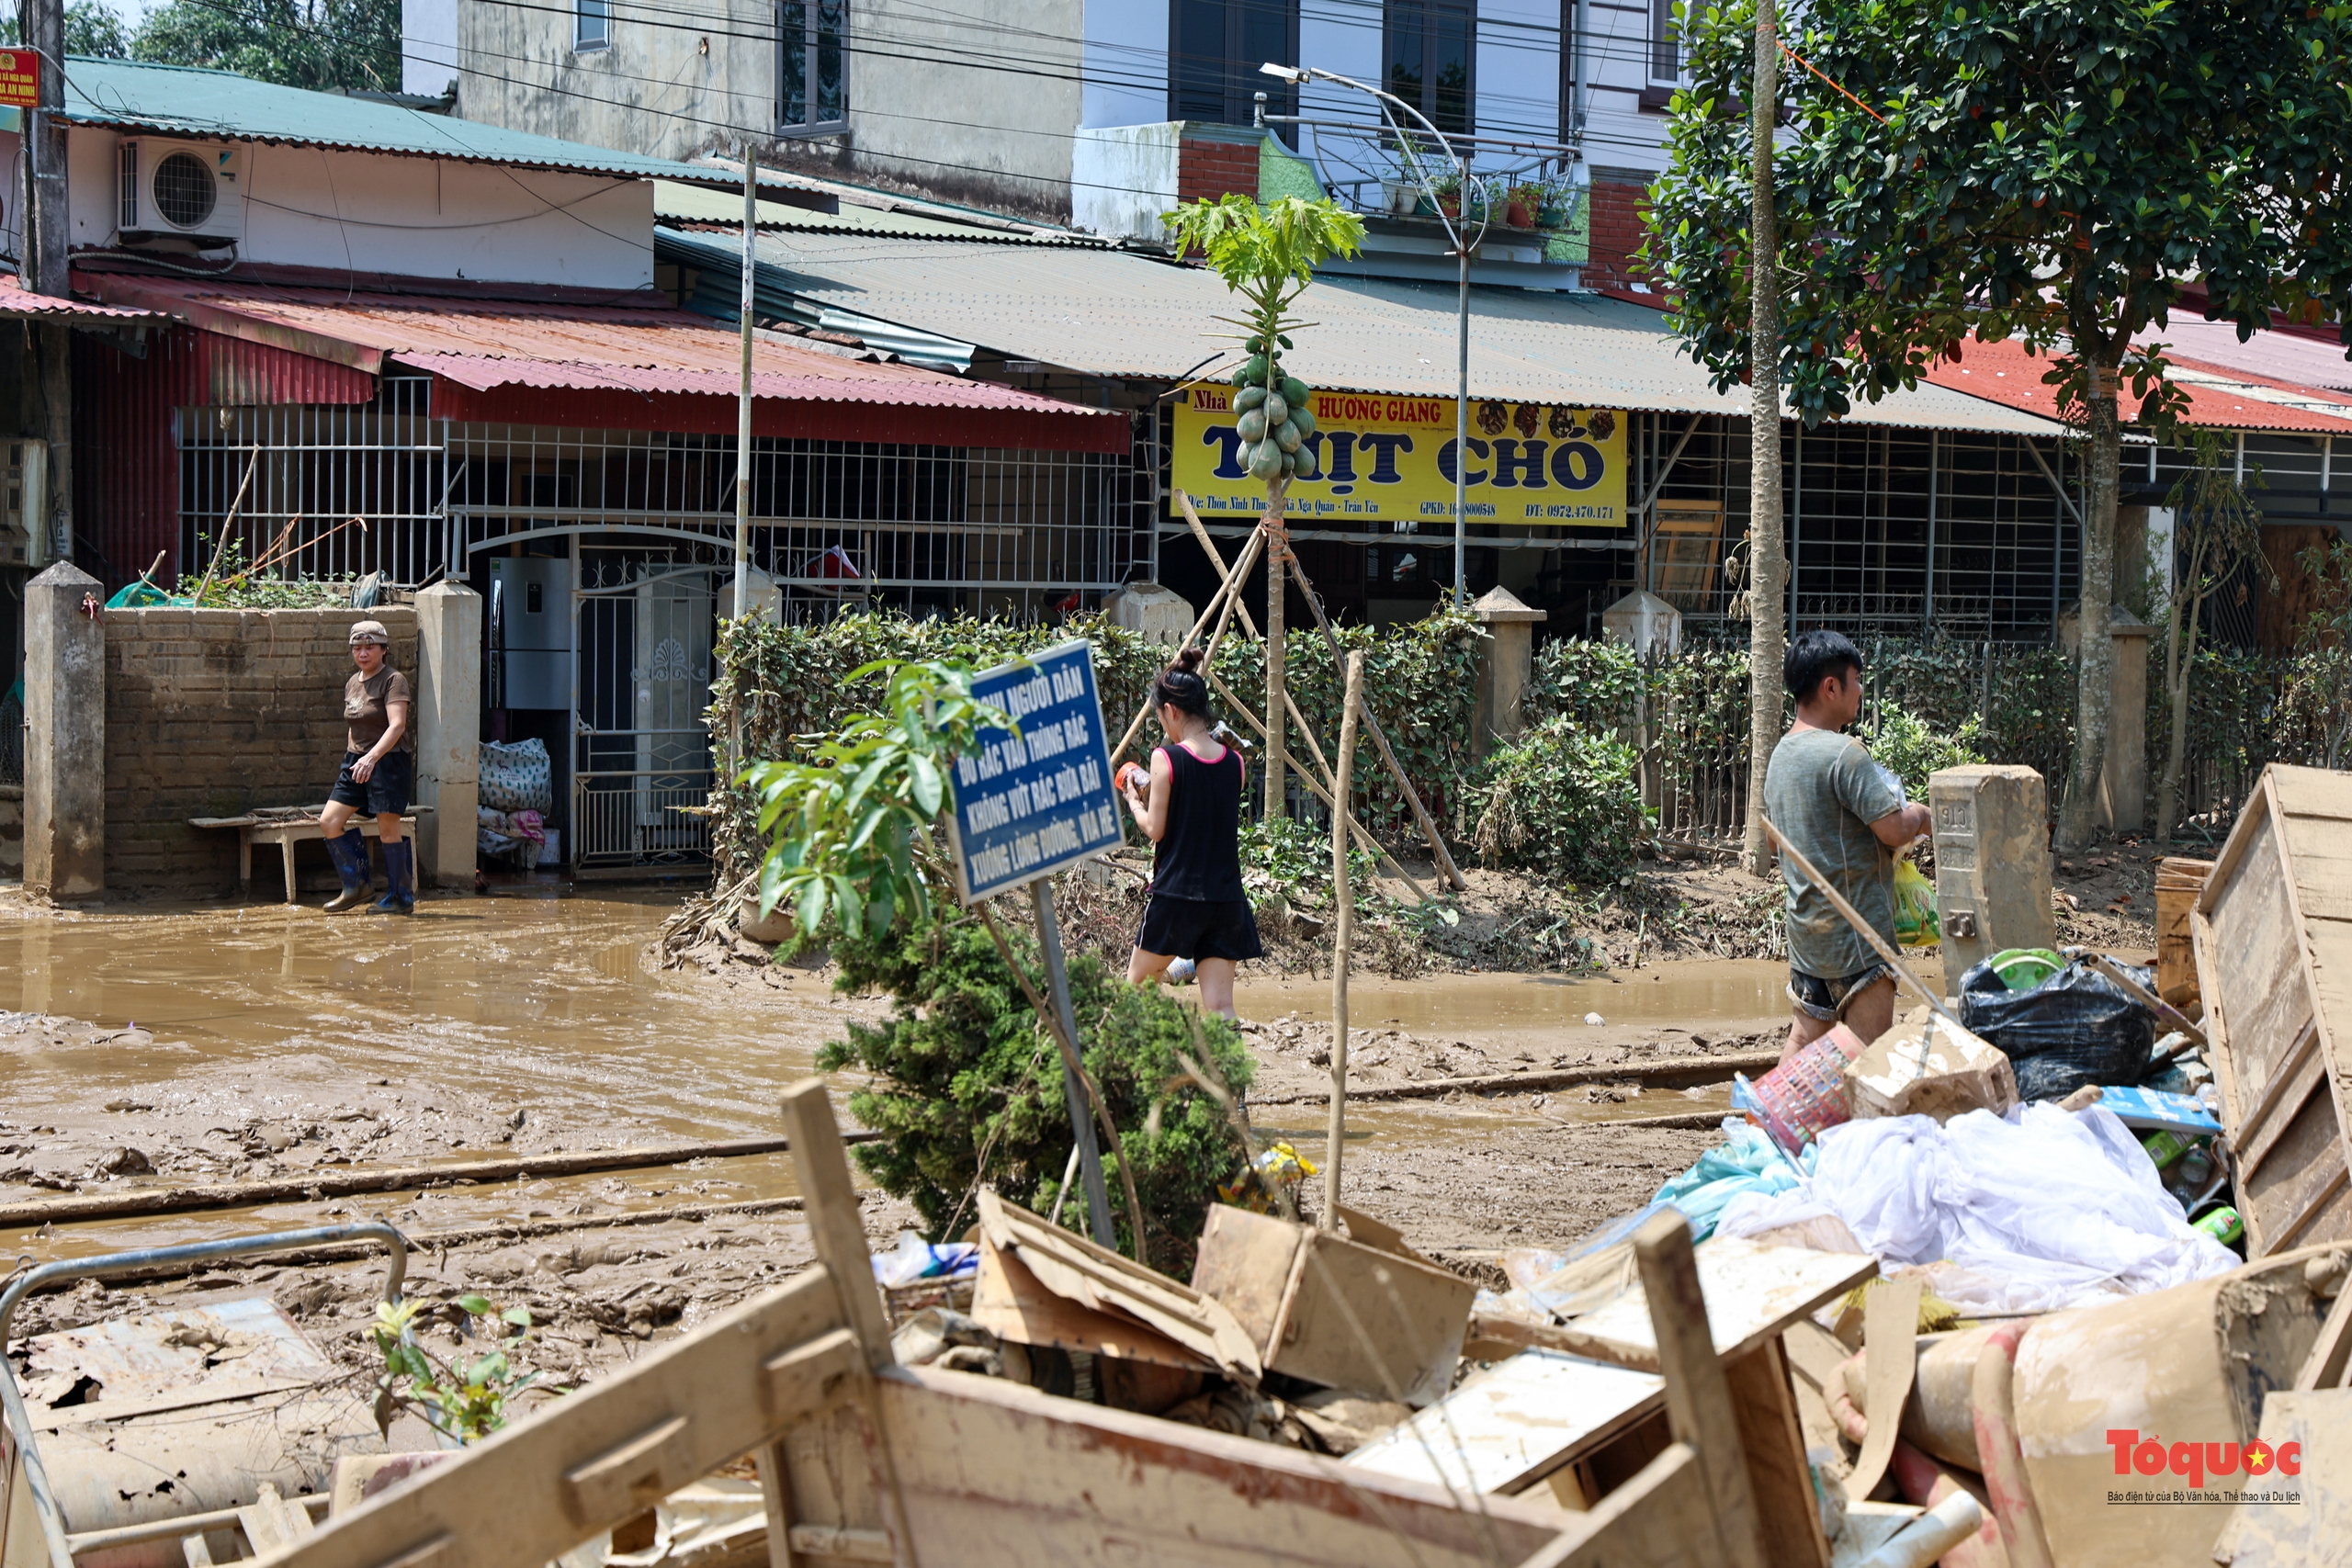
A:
[968, 1086]
[91, 29]
[2056, 171]
[1268, 256]
[351, 44]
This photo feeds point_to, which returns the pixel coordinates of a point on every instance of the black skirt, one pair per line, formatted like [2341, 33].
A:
[1197, 929]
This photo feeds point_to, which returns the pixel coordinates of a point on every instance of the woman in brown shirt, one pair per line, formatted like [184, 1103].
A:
[379, 773]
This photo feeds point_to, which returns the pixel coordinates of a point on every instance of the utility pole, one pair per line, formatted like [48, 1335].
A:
[41, 23]
[1767, 563]
[743, 396]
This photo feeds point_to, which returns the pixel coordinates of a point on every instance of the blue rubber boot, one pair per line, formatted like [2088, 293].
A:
[349, 853]
[399, 880]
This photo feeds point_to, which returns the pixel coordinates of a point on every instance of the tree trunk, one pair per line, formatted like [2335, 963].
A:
[2179, 657]
[1767, 563]
[2078, 820]
[1277, 570]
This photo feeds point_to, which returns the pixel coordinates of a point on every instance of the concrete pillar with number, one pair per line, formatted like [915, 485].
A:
[448, 731]
[65, 735]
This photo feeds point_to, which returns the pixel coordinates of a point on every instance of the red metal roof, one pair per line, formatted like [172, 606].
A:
[19, 303]
[653, 359]
[2220, 398]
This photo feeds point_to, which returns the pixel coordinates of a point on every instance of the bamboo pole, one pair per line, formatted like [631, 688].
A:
[353, 1180]
[1447, 868]
[1277, 676]
[229, 524]
[1343, 920]
[1320, 780]
[1318, 788]
[1208, 613]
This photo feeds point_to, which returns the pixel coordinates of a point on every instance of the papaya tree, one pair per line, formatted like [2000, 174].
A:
[1267, 256]
[2060, 172]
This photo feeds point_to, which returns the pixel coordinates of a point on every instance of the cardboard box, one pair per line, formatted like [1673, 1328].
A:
[1363, 1311]
[1935, 1068]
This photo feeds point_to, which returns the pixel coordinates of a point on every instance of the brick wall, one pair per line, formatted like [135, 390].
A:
[212, 711]
[1213, 167]
[1617, 207]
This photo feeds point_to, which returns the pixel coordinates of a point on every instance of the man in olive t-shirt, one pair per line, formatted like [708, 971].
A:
[1847, 815]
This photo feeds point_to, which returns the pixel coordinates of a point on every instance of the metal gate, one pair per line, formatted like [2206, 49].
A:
[642, 663]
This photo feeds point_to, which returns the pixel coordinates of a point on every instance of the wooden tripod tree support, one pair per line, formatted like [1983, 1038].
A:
[1338, 661]
[1343, 921]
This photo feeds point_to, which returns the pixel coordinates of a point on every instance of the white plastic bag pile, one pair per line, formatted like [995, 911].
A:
[2033, 1211]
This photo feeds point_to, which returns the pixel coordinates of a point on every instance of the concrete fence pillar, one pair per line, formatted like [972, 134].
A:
[1504, 666]
[65, 735]
[448, 731]
[2124, 780]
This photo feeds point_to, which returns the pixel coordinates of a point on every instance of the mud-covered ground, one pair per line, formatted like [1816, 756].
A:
[175, 1046]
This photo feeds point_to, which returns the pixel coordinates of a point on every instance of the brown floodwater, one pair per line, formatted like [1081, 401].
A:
[543, 1004]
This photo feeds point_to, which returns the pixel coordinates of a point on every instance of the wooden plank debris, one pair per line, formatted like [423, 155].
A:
[2273, 936]
[2282, 1535]
[980, 1471]
[1362, 1312]
[1753, 1291]
[2178, 882]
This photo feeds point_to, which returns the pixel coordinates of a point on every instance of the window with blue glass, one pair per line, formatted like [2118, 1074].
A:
[1215, 48]
[592, 24]
[812, 90]
[1428, 58]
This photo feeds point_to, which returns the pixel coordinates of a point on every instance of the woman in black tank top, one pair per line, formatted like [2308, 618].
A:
[1192, 809]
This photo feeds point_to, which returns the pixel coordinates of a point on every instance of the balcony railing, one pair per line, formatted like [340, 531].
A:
[1519, 183]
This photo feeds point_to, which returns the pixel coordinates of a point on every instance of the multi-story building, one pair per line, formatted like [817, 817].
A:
[1101, 111]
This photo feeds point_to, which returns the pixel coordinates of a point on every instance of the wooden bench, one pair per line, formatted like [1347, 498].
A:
[286, 826]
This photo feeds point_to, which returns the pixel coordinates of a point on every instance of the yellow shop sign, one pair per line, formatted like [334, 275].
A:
[1391, 459]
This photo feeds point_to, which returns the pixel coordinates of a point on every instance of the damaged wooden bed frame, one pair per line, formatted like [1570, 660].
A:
[863, 1461]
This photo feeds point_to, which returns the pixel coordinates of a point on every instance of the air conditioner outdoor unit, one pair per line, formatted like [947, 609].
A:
[24, 505]
[192, 191]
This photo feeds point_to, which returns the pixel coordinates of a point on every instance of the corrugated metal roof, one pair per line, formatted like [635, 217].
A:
[679, 203]
[19, 303]
[1125, 316]
[178, 100]
[654, 351]
[2290, 356]
[2219, 398]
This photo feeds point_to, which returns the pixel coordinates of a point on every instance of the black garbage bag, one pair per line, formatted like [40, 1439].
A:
[2077, 1027]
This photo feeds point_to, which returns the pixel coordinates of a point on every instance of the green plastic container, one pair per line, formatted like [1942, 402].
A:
[2023, 968]
[2222, 1224]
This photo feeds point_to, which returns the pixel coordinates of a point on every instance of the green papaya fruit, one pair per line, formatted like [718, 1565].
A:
[1277, 408]
[1303, 417]
[1252, 426]
[1294, 392]
[1286, 435]
[1254, 374]
[1248, 398]
[1290, 465]
[1266, 461]
[1304, 464]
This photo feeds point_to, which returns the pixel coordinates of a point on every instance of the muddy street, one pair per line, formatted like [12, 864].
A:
[202, 1046]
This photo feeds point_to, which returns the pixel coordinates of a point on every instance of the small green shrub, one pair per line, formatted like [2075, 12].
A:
[1565, 800]
[1901, 742]
[968, 1086]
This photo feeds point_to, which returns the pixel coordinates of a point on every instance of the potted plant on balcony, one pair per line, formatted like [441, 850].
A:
[1449, 194]
[1520, 204]
[1559, 200]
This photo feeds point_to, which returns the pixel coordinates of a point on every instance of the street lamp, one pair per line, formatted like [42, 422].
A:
[1300, 74]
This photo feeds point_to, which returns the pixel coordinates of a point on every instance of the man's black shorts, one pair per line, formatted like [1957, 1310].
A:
[388, 787]
[1197, 929]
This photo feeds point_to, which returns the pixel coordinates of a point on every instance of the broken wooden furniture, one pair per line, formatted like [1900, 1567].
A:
[119, 1406]
[1578, 1411]
[2178, 882]
[1361, 1312]
[287, 825]
[2273, 931]
[862, 1460]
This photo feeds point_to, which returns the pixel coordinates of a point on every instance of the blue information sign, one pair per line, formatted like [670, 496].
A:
[1026, 808]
